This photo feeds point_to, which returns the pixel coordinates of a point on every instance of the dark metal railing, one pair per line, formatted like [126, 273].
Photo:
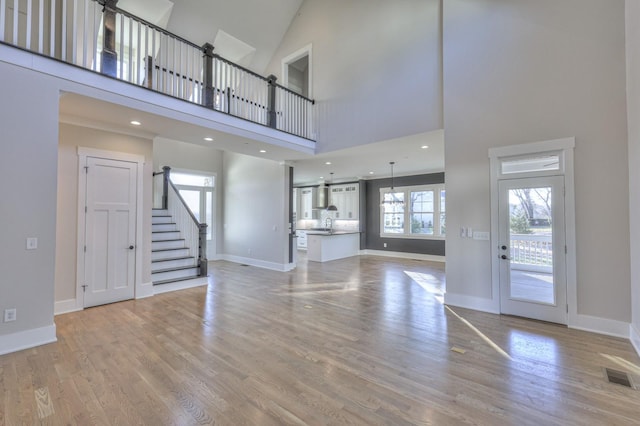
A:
[99, 36]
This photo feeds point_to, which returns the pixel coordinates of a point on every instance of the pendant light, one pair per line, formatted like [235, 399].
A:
[331, 207]
[394, 202]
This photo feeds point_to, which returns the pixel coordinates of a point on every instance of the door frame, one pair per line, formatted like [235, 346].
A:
[565, 147]
[300, 53]
[83, 154]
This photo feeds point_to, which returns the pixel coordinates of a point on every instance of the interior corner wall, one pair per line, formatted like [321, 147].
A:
[518, 72]
[28, 168]
[256, 211]
[195, 158]
[633, 113]
[371, 239]
[366, 55]
[70, 138]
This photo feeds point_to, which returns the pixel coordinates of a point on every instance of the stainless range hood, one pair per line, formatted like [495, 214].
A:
[321, 198]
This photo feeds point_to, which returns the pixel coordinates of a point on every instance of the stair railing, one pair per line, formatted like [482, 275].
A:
[99, 36]
[194, 232]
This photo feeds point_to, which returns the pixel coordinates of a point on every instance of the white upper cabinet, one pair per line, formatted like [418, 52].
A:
[306, 204]
[347, 199]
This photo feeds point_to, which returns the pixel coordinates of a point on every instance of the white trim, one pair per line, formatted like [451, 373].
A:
[180, 285]
[144, 290]
[436, 188]
[27, 339]
[282, 267]
[403, 255]
[66, 306]
[83, 154]
[300, 53]
[600, 325]
[565, 145]
[472, 302]
[634, 336]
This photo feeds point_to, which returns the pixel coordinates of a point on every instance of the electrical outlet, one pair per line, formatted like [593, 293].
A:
[9, 315]
[32, 243]
[385, 245]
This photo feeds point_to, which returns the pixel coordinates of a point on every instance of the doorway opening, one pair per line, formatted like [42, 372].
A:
[297, 72]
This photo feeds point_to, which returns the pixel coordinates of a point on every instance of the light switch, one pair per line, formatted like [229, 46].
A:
[469, 232]
[32, 243]
[463, 232]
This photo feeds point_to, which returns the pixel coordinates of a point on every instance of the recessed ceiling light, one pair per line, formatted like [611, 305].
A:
[424, 146]
[208, 139]
[135, 123]
[262, 151]
[370, 173]
[321, 177]
[328, 163]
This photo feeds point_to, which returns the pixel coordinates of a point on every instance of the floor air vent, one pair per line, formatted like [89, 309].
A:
[618, 377]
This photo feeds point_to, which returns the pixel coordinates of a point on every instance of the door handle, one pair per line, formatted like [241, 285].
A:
[505, 257]
[131, 247]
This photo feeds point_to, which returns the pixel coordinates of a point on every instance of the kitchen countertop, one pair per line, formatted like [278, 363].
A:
[327, 233]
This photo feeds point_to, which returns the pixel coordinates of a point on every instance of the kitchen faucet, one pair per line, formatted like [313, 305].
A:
[328, 223]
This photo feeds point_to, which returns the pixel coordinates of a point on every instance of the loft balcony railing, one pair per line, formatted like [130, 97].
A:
[98, 36]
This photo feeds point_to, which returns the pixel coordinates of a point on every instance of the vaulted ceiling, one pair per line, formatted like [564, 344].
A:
[249, 39]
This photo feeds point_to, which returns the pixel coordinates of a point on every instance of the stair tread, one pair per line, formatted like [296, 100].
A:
[169, 249]
[173, 258]
[164, 223]
[163, 232]
[191, 277]
[164, 241]
[179, 268]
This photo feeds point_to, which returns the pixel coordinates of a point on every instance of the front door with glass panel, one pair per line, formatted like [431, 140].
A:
[532, 248]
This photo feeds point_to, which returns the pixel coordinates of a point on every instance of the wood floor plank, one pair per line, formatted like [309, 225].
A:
[359, 341]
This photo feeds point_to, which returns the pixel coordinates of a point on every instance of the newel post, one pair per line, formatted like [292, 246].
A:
[109, 60]
[202, 249]
[207, 72]
[166, 176]
[271, 100]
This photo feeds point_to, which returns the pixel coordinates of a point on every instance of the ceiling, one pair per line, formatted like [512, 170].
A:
[347, 164]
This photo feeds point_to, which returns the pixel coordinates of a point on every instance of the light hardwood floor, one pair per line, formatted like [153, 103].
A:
[360, 341]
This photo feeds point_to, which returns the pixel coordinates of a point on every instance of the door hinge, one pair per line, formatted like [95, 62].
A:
[85, 209]
[567, 308]
[566, 250]
[86, 169]
[85, 249]
[84, 287]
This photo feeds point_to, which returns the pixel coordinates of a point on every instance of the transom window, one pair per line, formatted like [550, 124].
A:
[413, 211]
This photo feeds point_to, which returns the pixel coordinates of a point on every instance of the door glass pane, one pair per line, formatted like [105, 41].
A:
[531, 237]
[192, 198]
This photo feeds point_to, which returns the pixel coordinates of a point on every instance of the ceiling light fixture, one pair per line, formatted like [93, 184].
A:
[328, 163]
[390, 198]
[208, 139]
[262, 151]
[370, 173]
[135, 123]
[424, 146]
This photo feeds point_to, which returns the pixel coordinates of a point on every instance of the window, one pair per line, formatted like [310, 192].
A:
[413, 212]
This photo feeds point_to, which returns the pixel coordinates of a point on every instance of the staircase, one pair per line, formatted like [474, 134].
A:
[171, 259]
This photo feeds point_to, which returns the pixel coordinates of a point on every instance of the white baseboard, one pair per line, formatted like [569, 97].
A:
[471, 302]
[404, 255]
[66, 306]
[180, 285]
[27, 339]
[144, 290]
[599, 325]
[634, 336]
[282, 267]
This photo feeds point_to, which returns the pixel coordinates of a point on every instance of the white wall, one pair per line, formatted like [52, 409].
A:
[194, 158]
[633, 114]
[256, 206]
[71, 137]
[376, 68]
[527, 71]
[28, 163]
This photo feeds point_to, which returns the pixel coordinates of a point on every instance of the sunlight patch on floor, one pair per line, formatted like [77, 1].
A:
[429, 283]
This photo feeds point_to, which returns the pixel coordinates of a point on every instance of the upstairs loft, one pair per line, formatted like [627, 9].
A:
[100, 37]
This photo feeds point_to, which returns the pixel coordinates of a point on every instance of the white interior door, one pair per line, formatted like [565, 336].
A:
[110, 236]
[532, 248]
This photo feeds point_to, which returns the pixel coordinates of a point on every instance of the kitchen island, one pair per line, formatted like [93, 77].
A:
[326, 246]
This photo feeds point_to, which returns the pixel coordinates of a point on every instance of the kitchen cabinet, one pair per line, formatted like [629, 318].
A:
[347, 199]
[306, 204]
[302, 239]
